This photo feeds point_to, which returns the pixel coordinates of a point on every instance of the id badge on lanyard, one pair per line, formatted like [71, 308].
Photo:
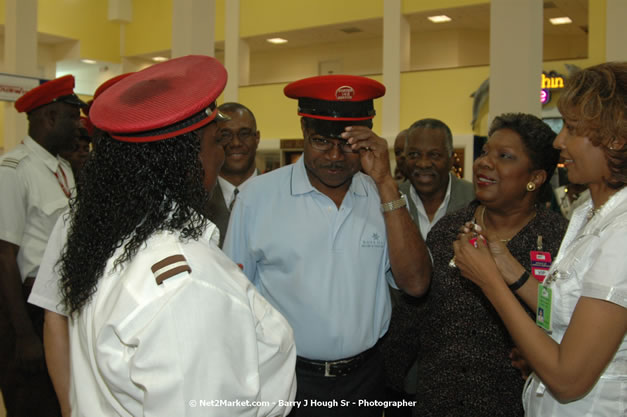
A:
[540, 265]
[540, 262]
[543, 313]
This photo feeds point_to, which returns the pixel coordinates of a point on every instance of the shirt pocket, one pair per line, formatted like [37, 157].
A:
[48, 215]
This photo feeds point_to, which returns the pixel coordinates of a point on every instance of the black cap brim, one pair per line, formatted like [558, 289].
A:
[71, 99]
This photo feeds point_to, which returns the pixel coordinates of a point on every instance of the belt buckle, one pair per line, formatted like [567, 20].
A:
[327, 370]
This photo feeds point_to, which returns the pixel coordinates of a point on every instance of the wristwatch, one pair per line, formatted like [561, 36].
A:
[394, 204]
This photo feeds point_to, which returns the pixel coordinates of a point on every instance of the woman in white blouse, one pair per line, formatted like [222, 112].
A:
[579, 350]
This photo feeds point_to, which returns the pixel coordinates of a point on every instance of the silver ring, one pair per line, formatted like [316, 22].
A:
[452, 263]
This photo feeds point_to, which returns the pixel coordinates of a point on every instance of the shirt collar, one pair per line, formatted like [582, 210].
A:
[447, 197]
[211, 233]
[40, 152]
[228, 188]
[300, 183]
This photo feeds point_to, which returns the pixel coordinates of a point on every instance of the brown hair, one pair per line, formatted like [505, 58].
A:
[594, 98]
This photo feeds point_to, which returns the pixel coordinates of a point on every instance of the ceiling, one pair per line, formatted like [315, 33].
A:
[475, 17]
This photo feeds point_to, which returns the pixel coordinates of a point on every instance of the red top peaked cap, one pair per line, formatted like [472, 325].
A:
[59, 89]
[336, 97]
[161, 101]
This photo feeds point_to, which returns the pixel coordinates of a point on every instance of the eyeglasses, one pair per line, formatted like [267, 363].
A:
[242, 135]
[325, 145]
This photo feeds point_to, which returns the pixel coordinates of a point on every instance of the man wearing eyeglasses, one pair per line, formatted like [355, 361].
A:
[242, 138]
[321, 240]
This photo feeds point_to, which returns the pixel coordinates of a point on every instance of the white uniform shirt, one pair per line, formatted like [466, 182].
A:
[139, 348]
[228, 189]
[424, 223]
[31, 200]
[45, 292]
[591, 262]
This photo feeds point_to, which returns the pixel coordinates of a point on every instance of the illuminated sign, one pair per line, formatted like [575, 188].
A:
[552, 82]
[549, 81]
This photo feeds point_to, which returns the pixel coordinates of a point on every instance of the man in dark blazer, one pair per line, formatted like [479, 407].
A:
[432, 191]
[242, 138]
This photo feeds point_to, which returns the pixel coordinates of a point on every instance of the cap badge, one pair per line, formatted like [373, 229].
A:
[345, 92]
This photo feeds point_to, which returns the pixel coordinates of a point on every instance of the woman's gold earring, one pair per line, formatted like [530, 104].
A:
[531, 186]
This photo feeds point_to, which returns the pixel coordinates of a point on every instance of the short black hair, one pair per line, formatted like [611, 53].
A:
[434, 124]
[233, 107]
[538, 139]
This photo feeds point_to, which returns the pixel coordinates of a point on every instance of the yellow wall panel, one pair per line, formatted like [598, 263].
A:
[416, 6]
[257, 17]
[86, 21]
[2, 16]
[276, 114]
[219, 20]
[150, 29]
[441, 94]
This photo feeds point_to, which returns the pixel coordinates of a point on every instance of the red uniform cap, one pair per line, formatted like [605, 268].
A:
[101, 89]
[161, 101]
[336, 97]
[110, 82]
[57, 90]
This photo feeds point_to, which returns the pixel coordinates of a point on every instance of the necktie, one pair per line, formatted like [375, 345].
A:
[235, 192]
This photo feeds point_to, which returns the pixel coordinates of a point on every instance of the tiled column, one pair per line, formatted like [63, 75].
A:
[616, 30]
[236, 53]
[515, 56]
[193, 27]
[20, 57]
[396, 38]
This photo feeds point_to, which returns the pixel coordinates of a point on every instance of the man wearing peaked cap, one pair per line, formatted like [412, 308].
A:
[45, 292]
[35, 184]
[176, 320]
[321, 240]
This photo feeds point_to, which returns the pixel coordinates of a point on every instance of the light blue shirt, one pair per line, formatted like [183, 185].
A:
[323, 268]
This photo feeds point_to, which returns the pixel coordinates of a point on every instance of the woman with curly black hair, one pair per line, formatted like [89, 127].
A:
[159, 316]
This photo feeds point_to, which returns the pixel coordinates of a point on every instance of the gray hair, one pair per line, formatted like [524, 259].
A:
[434, 124]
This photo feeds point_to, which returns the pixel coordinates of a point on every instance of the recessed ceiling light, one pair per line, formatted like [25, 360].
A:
[159, 58]
[561, 20]
[439, 19]
[276, 40]
[88, 61]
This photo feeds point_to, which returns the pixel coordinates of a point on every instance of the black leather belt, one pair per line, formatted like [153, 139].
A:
[341, 367]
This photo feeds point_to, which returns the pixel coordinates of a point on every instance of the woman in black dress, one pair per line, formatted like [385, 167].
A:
[464, 366]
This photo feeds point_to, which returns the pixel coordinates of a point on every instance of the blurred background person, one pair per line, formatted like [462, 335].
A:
[78, 154]
[399, 156]
[35, 185]
[570, 196]
[579, 350]
[241, 137]
[463, 358]
[176, 319]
